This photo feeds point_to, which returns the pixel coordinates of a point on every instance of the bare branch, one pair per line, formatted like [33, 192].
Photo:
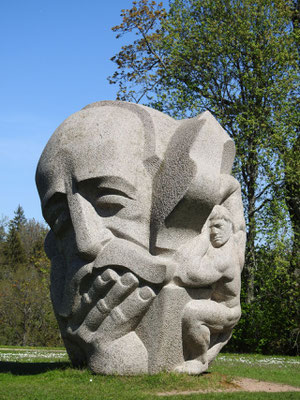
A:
[252, 212]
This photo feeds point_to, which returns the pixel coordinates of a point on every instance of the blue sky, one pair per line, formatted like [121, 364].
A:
[55, 59]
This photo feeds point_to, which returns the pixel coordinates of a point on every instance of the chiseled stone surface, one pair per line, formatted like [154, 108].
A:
[147, 238]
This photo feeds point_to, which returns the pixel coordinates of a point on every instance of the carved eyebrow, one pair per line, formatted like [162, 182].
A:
[111, 185]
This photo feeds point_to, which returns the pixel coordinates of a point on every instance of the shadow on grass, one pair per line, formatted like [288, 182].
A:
[19, 368]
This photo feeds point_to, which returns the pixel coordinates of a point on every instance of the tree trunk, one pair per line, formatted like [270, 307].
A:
[250, 259]
[292, 199]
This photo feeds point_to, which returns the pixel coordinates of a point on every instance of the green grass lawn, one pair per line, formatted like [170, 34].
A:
[41, 374]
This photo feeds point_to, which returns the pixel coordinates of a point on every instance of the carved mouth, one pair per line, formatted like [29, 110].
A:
[217, 238]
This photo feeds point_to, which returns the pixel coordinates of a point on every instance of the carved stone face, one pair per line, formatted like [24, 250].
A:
[220, 231]
[96, 192]
[97, 183]
[125, 189]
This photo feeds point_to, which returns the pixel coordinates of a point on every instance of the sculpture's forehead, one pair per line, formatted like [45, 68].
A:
[89, 144]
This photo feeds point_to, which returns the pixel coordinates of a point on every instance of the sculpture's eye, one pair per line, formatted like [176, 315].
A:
[108, 195]
[217, 225]
[110, 201]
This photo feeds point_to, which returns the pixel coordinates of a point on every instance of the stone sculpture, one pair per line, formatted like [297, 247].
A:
[147, 238]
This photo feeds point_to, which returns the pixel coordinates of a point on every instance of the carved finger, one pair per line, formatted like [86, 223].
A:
[121, 289]
[101, 282]
[126, 316]
[88, 299]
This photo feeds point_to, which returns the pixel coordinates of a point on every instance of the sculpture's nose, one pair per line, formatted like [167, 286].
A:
[90, 232]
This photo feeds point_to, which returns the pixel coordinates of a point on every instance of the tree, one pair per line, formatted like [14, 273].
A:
[24, 240]
[3, 224]
[25, 309]
[26, 316]
[13, 249]
[14, 253]
[270, 324]
[238, 59]
[32, 235]
[19, 219]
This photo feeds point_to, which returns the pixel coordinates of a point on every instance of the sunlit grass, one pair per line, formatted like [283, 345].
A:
[31, 374]
[33, 355]
[281, 369]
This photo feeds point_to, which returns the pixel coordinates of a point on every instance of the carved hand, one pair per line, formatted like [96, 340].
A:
[110, 309]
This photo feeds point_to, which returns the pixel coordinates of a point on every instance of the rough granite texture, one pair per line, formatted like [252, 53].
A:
[147, 238]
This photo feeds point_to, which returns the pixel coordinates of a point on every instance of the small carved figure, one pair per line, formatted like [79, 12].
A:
[217, 265]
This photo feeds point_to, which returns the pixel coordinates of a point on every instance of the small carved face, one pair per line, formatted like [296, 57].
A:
[220, 231]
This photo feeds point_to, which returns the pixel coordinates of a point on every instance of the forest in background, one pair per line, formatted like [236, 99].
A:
[26, 315]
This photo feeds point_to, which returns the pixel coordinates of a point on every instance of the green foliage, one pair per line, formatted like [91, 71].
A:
[138, 62]
[3, 224]
[14, 253]
[26, 315]
[270, 324]
[19, 219]
[13, 249]
[25, 309]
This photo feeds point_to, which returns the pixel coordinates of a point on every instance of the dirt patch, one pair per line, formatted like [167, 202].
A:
[241, 385]
[253, 385]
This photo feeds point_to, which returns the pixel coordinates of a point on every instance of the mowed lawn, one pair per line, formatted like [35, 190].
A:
[44, 374]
